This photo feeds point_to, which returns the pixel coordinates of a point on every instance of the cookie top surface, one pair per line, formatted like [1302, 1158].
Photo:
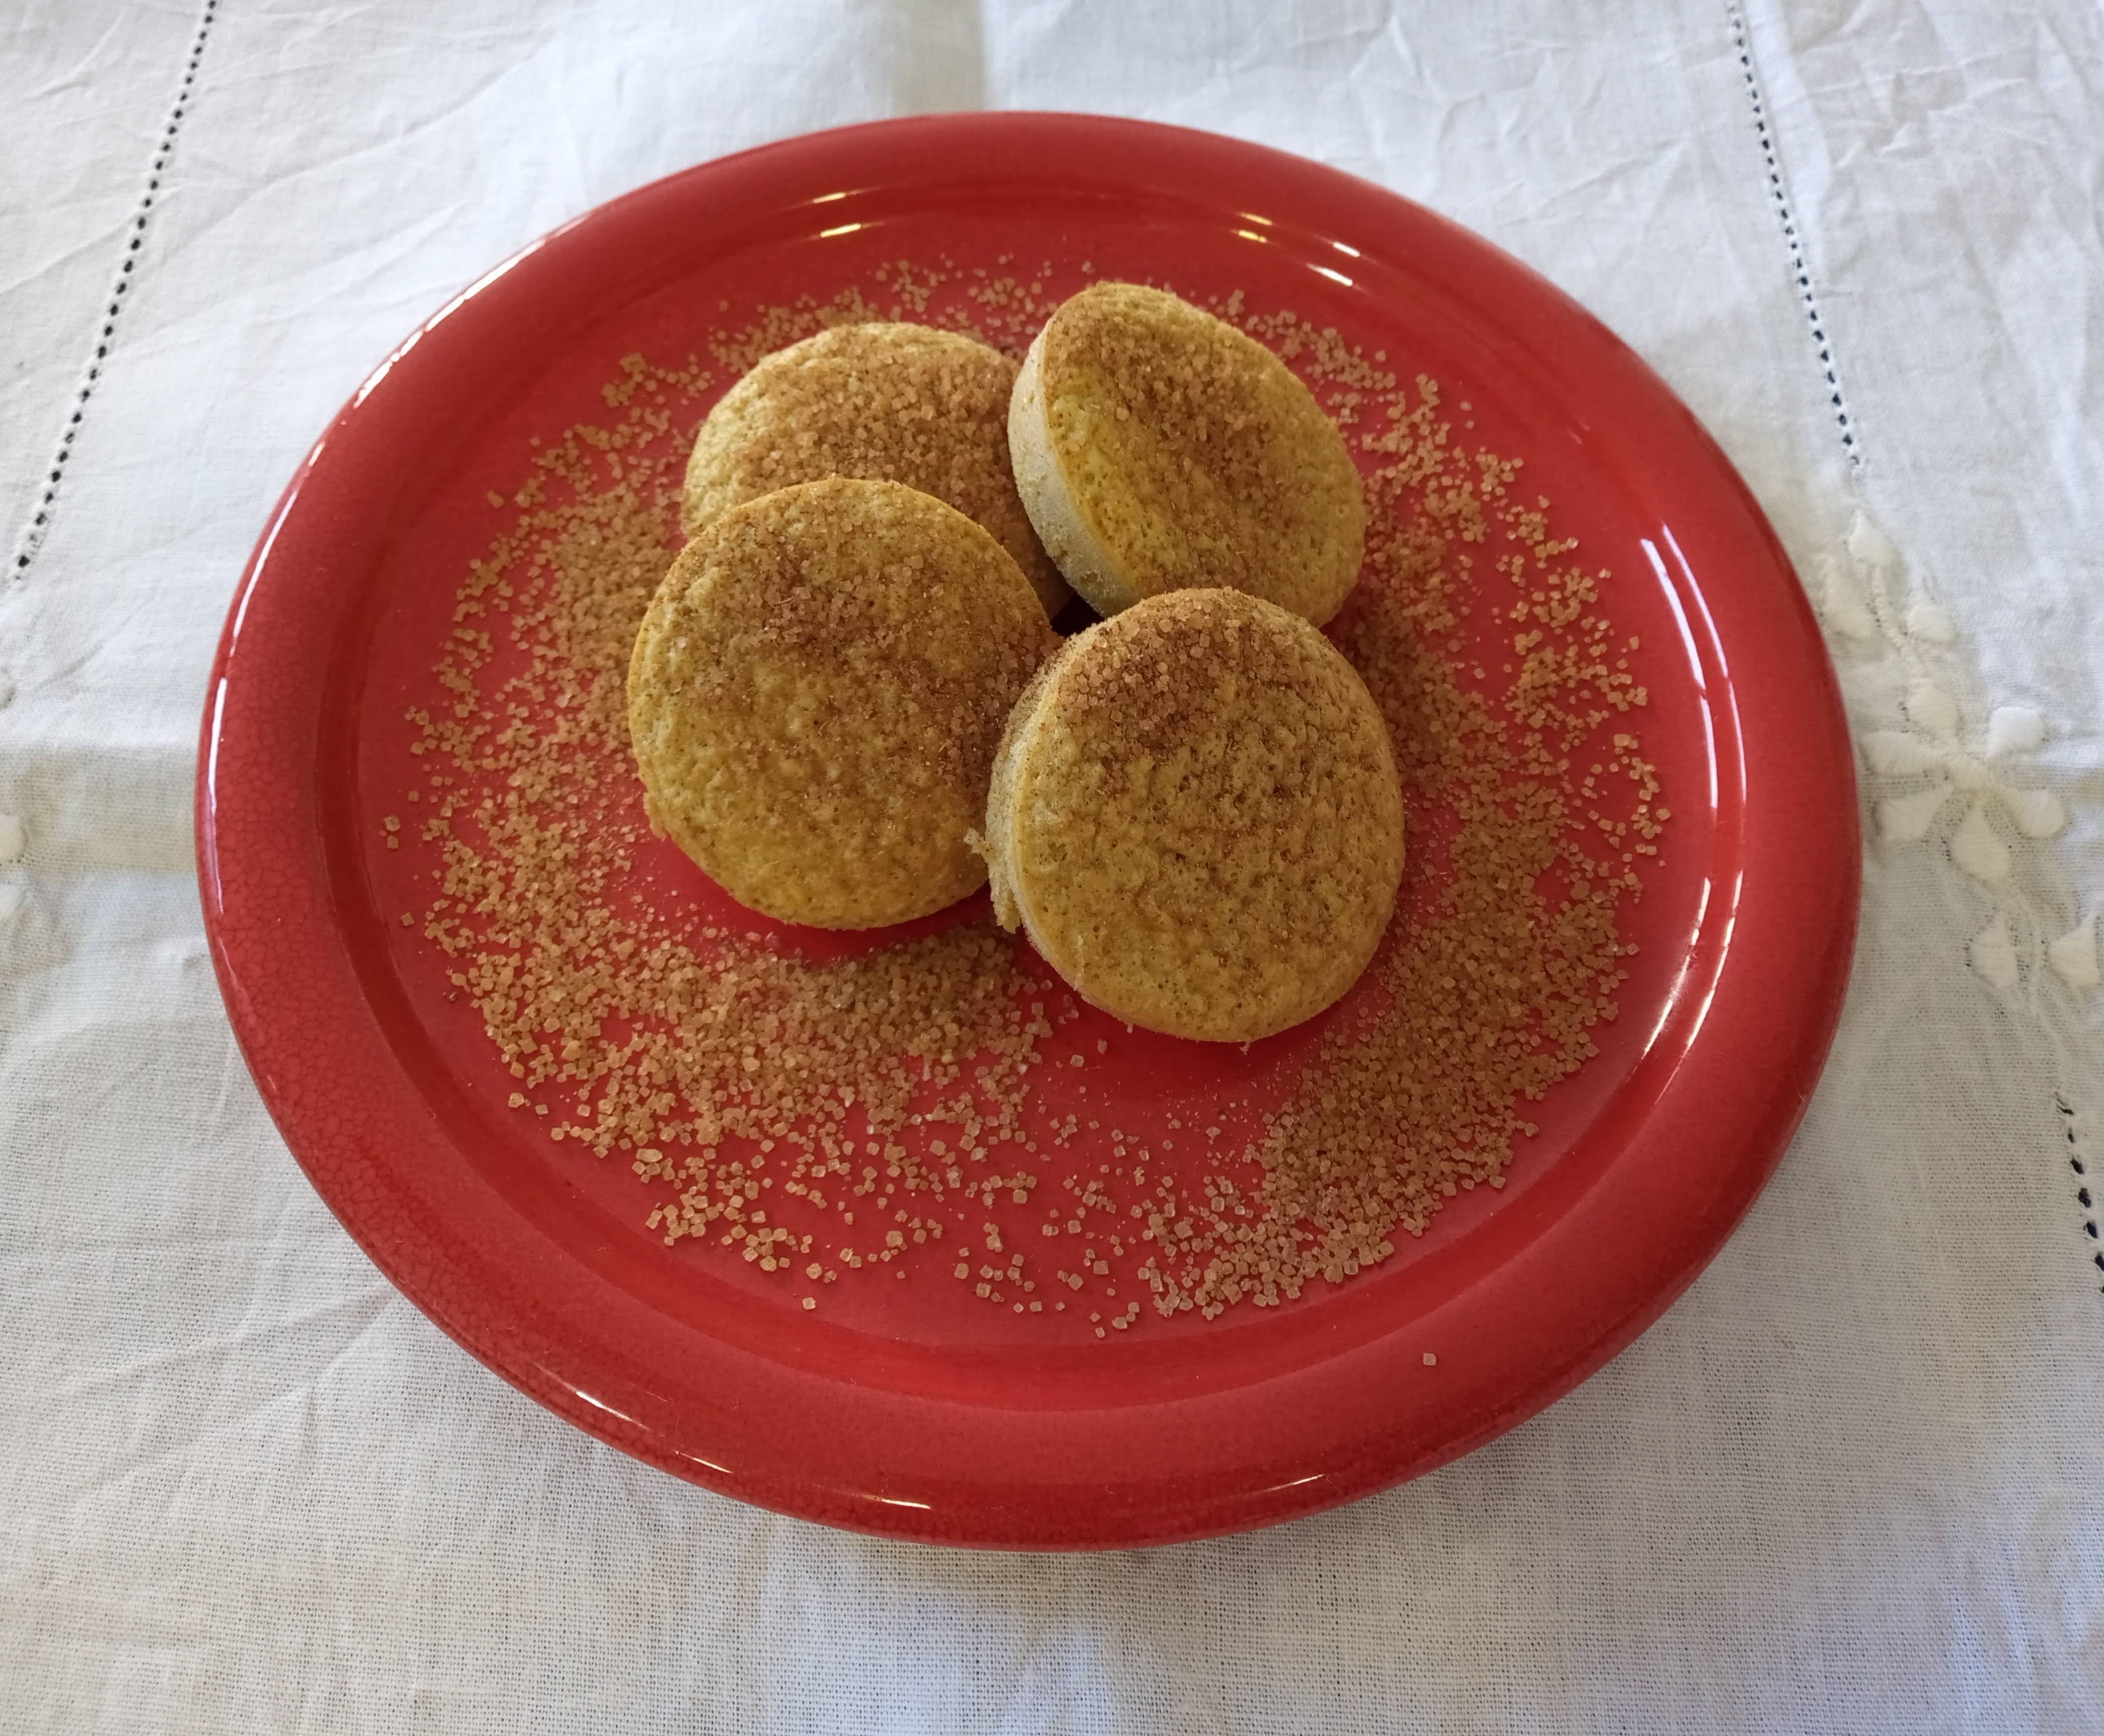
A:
[1194, 456]
[1197, 817]
[884, 402]
[816, 692]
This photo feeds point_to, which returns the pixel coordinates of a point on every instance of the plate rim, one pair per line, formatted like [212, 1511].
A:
[415, 1254]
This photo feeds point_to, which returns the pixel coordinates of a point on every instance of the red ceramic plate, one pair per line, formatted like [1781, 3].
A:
[912, 1413]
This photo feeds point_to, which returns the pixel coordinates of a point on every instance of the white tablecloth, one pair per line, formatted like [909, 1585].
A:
[1854, 1480]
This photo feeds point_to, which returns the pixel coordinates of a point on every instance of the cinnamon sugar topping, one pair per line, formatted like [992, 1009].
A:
[907, 1107]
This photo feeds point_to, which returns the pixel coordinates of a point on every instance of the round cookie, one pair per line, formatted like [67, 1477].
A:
[816, 695]
[885, 401]
[1196, 817]
[1158, 448]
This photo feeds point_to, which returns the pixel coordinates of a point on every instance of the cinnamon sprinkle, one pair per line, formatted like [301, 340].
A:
[821, 1119]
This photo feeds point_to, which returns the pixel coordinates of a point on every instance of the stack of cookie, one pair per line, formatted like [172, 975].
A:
[848, 705]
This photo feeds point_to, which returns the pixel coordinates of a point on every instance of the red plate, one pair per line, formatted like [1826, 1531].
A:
[911, 1413]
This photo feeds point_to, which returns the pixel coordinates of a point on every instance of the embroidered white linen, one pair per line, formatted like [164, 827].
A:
[1850, 1482]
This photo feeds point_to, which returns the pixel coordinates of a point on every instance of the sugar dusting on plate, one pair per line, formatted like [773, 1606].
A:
[906, 1108]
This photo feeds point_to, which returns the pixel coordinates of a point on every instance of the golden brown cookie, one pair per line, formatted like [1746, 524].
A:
[1196, 817]
[1158, 448]
[888, 402]
[816, 695]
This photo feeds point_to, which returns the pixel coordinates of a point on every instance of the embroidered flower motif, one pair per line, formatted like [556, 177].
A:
[2074, 955]
[1993, 953]
[1928, 771]
[1855, 586]
[1933, 755]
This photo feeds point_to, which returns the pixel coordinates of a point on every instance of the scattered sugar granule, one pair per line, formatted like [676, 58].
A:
[776, 1093]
